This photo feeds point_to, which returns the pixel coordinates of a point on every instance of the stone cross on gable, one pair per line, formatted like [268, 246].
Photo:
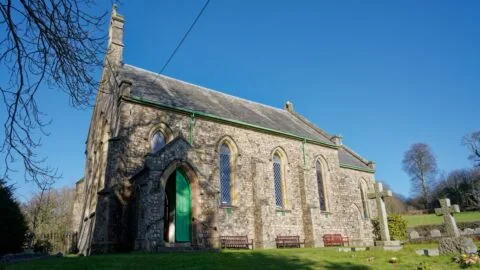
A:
[446, 210]
[378, 195]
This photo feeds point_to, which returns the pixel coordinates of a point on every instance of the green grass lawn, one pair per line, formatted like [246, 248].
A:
[322, 258]
[416, 220]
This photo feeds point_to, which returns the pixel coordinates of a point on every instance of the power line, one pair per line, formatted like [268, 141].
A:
[184, 36]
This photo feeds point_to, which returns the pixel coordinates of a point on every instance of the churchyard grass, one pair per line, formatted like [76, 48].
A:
[305, 258]
[432, 219]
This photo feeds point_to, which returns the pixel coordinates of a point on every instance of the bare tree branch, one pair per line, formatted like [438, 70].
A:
[44, 44]
[472, 141]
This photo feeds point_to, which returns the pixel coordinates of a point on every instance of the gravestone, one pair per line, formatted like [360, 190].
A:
[385, 242]
[446, 210]
[454, 243]
[468, 231]
[457, 245]
[414, 235]
[477, 230]
[428, 252]
[435, 233]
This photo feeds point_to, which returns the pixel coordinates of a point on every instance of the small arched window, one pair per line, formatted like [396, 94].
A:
[225, 175]
[363, 195]
[278, 178]
[158, 141]
[321, 188]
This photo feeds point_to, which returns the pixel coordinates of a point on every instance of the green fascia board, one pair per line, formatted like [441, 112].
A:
[147, 102]
[347, 166]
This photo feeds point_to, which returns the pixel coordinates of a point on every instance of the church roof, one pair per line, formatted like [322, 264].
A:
[174, 93]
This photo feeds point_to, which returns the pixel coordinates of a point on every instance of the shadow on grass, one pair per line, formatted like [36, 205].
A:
[344, 265]
[203, 260]
[145, 261]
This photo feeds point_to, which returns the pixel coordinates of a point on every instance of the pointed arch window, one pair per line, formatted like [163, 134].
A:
[363, 195]
[225, 175]
[321, 187]
[158, 141]
[279, 180]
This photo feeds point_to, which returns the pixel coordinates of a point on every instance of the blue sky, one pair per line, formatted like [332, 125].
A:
[384, 74]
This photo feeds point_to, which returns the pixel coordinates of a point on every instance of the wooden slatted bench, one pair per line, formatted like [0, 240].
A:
[288, 241]
[335, 240]
[230, 241]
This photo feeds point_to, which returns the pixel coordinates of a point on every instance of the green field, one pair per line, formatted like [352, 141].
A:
[431, 219]
[324, 258]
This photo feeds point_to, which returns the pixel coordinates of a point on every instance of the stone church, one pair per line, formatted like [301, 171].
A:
[170, 163]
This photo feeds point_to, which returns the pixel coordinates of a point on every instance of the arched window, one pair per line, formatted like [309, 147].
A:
[225, 175]
[158, 141]
[363, 195]
[278, 178]
[321, 188]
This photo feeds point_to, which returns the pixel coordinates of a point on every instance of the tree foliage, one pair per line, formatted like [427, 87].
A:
[44, 44]
[12, 223]
[420, 164]
[397, 227]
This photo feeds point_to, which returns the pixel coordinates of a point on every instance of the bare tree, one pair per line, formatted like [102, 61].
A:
[472, 141]
[50, 210]
[397, 204]
[420, 164]
[44, 44]
[461, 186]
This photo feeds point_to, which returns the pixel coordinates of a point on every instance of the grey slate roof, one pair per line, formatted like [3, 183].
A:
[347, 158]
[175, 93]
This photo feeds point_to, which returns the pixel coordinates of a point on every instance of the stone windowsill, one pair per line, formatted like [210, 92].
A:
[227, 206]
[283, 210]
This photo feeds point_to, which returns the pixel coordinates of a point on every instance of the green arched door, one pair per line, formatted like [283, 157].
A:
[182, 208]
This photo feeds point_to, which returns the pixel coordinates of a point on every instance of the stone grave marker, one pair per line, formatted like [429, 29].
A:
[435, 233]
[446, 210]
[468, 231]
[385, 241]
[477, 230]
[454, 243]
[414, 235]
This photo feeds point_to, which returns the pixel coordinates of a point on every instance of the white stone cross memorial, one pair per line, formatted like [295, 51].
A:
[378, 195]
[446, 210]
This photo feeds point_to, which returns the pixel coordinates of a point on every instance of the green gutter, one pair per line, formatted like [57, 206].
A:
[146, 102]
[347, 166]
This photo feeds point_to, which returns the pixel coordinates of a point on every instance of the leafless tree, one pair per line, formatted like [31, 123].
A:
[397, 204]
[472, 141]
[461, 186]
[50, 210]
[44, 44]
[420, 164]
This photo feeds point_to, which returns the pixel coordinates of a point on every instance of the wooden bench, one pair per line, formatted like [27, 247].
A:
[289, 241]
[335, 240]
[230, 241]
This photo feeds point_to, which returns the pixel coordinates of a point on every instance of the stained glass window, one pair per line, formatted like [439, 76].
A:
[278, 179]
[364, 201]
[225, 175]
[158, 142]
[321, 191]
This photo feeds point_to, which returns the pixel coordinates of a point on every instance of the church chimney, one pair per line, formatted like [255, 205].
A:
[337, 139]
[115, 37]
[289, 106]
